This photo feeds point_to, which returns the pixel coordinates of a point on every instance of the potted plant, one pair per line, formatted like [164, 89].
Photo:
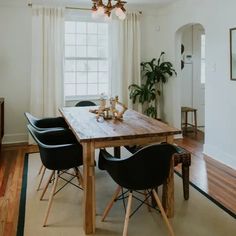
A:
[154, 74]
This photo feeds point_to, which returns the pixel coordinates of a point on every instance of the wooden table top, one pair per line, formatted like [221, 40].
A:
[133, 125]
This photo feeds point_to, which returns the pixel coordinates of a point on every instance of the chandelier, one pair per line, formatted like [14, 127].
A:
[101, 9]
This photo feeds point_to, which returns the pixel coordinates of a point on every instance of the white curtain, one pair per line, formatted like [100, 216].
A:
[47, 61]
[125, 57]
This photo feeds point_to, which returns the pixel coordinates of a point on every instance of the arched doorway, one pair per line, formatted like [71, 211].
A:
[190, 52]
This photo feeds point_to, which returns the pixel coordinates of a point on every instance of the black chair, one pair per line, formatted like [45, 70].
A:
[54, 123]
[58, 152]
[46, 123]
[85, 104]
[145, 170]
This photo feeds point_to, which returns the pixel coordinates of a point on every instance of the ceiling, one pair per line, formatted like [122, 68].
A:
[158, 2]
[85, 2]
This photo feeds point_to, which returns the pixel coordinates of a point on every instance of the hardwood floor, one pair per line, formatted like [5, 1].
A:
[218, 180]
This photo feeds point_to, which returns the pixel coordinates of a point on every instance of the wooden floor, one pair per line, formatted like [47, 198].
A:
[214, 178]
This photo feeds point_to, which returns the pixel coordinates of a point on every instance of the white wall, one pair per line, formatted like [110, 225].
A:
[216, 17]
[15, 40]
[158, 34]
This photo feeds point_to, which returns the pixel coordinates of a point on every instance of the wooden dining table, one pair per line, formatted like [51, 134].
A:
[134, 129]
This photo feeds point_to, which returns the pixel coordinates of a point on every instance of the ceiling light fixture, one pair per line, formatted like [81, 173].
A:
[101, 9]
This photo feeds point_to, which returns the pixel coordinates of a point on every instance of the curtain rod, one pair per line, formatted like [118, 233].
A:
[72, 8]
[76, 8]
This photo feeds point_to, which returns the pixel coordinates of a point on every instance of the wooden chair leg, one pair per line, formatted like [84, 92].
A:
[127, 215]
[50, 199]
[41, 168]
[163, 213]
[41, 178]
[110, 204]
[46, 187]
[79, 177]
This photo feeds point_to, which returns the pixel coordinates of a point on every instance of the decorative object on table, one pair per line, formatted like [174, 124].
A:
[110, 109]
[101, 9]
[154, 75]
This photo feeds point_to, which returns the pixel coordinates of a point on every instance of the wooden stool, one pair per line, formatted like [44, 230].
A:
[183, 157]
[185, 124]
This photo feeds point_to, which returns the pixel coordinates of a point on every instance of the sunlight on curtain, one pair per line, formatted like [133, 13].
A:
[124, 52]
[130, 49]
[47, 61]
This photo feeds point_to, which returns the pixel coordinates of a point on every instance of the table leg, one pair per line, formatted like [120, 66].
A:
[168, 187]
[89, 204]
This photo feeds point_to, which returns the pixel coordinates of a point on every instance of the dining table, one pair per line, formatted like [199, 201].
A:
[133, 129]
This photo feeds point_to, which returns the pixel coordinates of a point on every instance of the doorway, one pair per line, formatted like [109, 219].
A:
[193, 73]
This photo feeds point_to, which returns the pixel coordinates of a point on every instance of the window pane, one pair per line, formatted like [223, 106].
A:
[70, 27]
[81, 39]
[103, 88]
[84, 43]
[92, 51]
[81, 65]
[81, 89]
[92, 39]
[103, 77]
[102, 52]
[92, 28]
[81, 77]
[102, 40]
[70, 39]
[102, 28]
[92, 89]
[69, 77]
[102, 65]
[70, 65]
[69, 89]
[81, 51]
[69, 51]
[92, 65]
[92, 77]
[81, 27]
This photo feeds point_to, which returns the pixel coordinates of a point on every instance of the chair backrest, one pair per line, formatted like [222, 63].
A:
[147, 168]
[57, 151]
[85, 104]
[46, 123]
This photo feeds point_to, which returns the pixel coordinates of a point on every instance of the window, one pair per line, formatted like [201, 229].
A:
[86, 59]
[203, 59]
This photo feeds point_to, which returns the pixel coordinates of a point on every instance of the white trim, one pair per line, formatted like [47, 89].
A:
[15, 138]
[219, 155]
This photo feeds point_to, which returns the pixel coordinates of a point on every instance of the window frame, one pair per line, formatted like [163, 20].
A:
[86, 18]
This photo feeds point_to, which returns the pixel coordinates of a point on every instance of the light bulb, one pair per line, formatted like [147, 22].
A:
[122, 16]
[100, 11]
[119, 11]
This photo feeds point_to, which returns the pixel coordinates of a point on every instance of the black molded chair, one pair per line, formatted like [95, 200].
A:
[43, 124]
[58, 152]
[46, 123]
[145, 170]
[85, 104]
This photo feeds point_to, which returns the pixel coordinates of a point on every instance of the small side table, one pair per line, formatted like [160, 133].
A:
[185, 124]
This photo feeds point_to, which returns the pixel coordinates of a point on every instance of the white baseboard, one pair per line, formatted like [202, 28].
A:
[220, 156]
[15, 138]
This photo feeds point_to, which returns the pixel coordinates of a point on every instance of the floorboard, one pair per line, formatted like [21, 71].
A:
[216, 179]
